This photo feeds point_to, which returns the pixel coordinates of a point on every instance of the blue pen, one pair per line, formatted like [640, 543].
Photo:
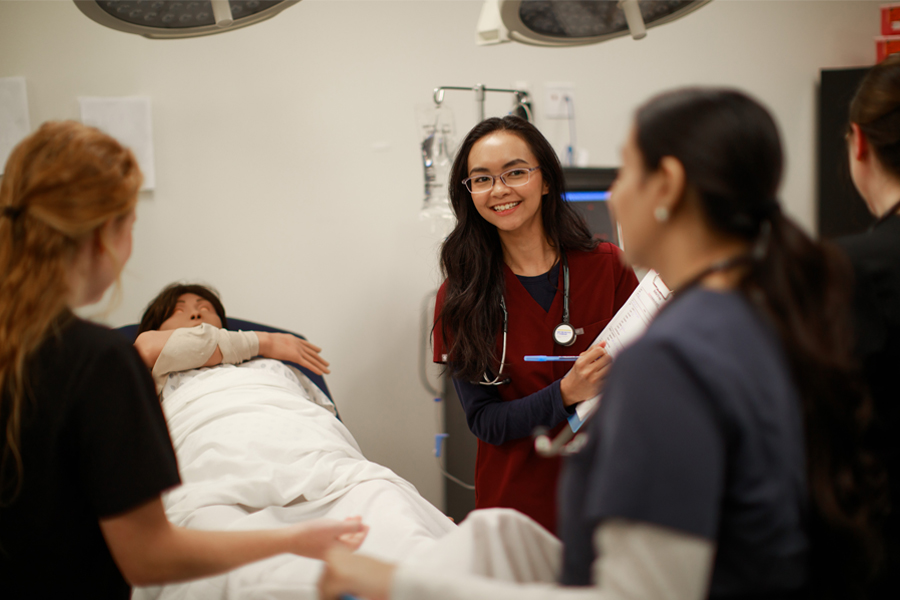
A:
[545, 358]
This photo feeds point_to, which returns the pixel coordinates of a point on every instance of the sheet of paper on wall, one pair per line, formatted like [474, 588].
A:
[628, 324]
[128, 120]
[14, 121]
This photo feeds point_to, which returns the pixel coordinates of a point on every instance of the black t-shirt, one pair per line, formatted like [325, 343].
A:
[876, 263]
[94, 444]
[700, 430]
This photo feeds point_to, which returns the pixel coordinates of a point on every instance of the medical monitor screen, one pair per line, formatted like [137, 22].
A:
[587, 191]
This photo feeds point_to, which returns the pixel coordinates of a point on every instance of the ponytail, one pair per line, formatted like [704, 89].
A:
[805, 289]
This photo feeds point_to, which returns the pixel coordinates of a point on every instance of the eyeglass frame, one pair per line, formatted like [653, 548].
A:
[466, 181]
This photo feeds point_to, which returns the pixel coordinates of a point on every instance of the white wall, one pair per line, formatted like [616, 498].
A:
[288, 172]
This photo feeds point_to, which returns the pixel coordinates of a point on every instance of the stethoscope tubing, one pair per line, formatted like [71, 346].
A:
[497, 380]
[565, 324]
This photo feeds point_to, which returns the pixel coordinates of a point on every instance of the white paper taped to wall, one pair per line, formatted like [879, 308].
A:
[14, 122]
[625, 327]
[128, 120]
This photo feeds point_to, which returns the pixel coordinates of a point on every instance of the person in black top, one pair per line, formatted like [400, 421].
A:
[84, 449]
[873, 141]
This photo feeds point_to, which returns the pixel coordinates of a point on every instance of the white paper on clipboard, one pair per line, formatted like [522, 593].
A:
[628, 324]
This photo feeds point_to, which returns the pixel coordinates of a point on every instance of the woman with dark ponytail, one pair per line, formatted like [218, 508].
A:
[726, 149]
[873, 141]
[724, 461]
[523, 276]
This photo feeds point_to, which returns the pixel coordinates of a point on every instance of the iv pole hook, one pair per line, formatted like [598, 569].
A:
[479, 90]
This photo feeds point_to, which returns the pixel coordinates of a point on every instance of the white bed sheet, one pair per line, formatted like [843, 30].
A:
[254, 451]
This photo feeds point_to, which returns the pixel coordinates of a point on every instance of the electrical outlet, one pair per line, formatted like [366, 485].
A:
[560, 99]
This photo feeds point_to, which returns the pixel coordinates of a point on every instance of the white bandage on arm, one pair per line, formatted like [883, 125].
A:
[187, 348]
[237, 346]
[190, 348]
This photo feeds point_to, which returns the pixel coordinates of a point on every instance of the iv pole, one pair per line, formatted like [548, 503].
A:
[523, 100]
[522, 97]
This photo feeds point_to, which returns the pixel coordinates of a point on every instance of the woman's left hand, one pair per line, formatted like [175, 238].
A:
[348, 573]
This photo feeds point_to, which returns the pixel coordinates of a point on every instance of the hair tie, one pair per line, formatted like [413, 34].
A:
[13, 212]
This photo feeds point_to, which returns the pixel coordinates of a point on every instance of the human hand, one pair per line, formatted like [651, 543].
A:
[585, 379]
[348, 573]
[314, 538]
[284, 346]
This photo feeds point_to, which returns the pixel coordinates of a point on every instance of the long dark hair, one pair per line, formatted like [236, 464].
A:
[731, 152]
[162, 307]
[876, 109]
[472, 257]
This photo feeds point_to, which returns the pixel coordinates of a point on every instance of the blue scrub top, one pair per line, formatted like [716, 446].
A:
[700, 430]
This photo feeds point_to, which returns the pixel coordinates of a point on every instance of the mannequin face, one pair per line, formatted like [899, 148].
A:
[510, 209]
[191, 310]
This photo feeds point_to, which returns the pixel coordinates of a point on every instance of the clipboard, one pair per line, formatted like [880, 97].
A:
[627, 325]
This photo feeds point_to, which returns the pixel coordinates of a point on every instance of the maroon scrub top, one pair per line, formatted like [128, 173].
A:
[513, 475]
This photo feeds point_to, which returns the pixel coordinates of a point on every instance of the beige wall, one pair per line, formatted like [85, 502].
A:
[288, 172]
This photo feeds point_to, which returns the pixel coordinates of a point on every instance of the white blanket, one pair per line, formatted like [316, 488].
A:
[254, 452]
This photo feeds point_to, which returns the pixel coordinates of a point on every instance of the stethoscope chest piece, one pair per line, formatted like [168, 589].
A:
[564, 334]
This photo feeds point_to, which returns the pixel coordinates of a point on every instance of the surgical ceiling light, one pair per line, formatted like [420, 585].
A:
[167, 19]
[575, 22]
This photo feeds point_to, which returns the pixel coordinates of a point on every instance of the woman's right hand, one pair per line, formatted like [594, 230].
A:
[585, 379]
[361, 576]
[314, 538]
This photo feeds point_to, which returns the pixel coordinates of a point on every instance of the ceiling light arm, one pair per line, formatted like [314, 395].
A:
[634, 18]
[222, 13]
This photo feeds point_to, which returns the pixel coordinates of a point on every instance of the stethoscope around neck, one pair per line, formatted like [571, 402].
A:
[563, 334]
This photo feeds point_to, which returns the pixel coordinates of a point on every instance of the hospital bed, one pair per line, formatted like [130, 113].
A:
[259, 445]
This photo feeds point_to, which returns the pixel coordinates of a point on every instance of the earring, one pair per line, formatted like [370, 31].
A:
[661, 214]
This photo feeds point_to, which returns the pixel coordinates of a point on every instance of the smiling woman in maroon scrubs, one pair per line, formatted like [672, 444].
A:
[523, 276]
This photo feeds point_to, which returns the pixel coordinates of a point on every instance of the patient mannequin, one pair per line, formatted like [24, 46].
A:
[184, 328]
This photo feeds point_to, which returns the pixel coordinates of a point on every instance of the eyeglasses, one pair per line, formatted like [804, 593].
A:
[512, 178]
